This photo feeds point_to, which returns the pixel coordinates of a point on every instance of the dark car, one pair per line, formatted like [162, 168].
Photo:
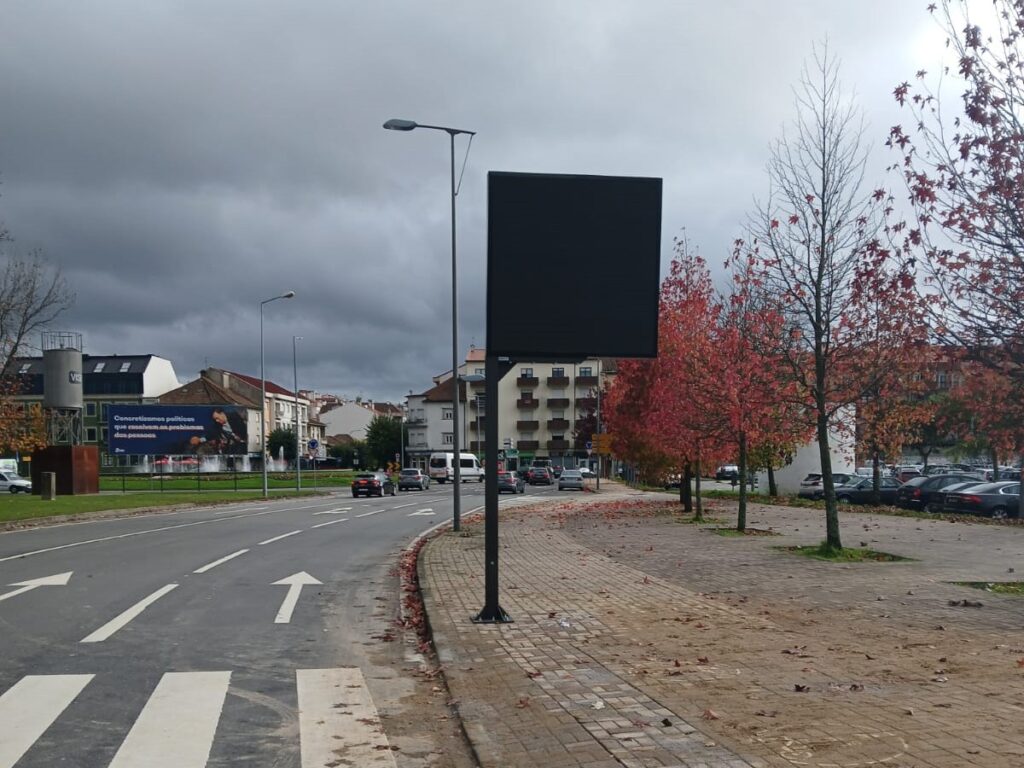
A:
[918, 492]
[727, 473]
[938, 499]
[372, 484]
[861, 490]
[413, 478]
[812, 486]
[540, 476]
[1000, 499]
[510, 482]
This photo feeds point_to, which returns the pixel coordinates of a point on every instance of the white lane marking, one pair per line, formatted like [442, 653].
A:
[30, 707]
[134, 533]
[371, 512]
[403, 506]
[295, 583]
[116, 623]
[424, 511]
[215, 563]
[338, 511]
[278, 538]
[229, 511]
[330, 522]
[176, 727]
[337, 717]
[57, 580]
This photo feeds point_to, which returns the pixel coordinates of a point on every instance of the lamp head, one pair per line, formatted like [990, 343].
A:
[288, 295]
[399, 125]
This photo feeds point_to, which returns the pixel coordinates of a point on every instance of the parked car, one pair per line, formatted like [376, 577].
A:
[673, 481]
[372, 484]
[727, 473]
[918, 492]
[1001, 499]
[861, 490]
[540, 476]
[812, 486]
[413, 478]
[570, 479]
[11, 481]
[511, 482]
[938, 499]
[587, 473]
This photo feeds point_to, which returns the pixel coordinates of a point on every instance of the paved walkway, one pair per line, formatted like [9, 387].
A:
[642, 641]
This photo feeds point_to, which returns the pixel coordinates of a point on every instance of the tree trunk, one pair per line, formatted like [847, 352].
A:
[741, 516]
[698, 509]
[876, 479]
[832, 538]
[773, 488]
[685, 492]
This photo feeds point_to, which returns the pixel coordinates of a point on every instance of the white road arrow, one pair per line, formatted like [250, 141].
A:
[425, 511]
[339, 511]
[295, 583]
[57, 580]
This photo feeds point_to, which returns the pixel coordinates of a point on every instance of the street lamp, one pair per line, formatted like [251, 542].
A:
[263, 392]
[409, 125]
[295, 381]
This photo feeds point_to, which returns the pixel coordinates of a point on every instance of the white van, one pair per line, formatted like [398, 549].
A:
[442, 468]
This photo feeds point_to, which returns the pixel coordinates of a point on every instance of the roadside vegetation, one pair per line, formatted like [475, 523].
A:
[203, 482]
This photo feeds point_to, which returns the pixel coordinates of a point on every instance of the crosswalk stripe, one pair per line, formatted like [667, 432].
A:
[176, 727]
[30, 707]
[337, 717]
[117, 622]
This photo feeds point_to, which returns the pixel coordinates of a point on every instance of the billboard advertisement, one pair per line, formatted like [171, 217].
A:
[177, 430]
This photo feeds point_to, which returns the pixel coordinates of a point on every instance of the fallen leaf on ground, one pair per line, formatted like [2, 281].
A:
[710, 714]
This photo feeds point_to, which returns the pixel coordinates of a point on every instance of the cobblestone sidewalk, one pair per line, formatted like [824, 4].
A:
[639, 641]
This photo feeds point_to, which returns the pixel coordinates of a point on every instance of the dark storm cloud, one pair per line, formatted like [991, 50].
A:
[182, 161]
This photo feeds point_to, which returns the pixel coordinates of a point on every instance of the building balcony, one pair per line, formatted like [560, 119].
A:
[478, 424]
[558, 381]
[528, 426]
[476, 446]
[558, 445]
[531, 403]
[419, 421]
[474, 403]
[527, 445]
[586, 403]
[586, 381]
[558, 425]
[527, 381]
[558, 402]
[478, 384]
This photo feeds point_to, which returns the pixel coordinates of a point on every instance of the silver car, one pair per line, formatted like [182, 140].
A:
[413, 478]
[571, 479]
[9, 481]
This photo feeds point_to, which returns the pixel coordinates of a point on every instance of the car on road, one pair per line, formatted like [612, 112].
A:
[372, 484]
[813, 487]
[571, 479]
[413, 478]
[12, 482]
[510, 482]
[998, 500]
[861, 490]
[920, 492]
[587, 473]
[727, 473]
[540, 476]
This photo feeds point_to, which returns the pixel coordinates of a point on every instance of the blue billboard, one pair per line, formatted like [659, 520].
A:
[177, 430]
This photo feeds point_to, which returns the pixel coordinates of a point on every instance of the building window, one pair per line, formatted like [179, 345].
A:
[557, 372]
[124, 367]
[90, 434]
[585, 372]
[526, 373]
[446, 414]
[479, 371]
[526, 394]
[558, 414]
[90, 409]
[98, 368]
[446, 438]
[103, 411]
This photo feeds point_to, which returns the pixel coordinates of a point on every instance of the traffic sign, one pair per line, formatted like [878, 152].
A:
[590, 445]
[313, 445]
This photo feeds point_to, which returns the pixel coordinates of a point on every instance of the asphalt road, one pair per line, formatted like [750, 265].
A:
[228, 636]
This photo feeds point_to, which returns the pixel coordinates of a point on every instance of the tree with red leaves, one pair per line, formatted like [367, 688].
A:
[965, 180]
[815, 248]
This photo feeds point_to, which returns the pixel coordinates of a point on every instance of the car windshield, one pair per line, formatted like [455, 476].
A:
[410, 472]
[365, 476]
[572, 473]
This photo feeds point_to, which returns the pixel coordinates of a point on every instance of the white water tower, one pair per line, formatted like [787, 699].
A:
[62, 387]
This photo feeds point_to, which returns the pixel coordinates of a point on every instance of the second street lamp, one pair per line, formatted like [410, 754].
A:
[263, 393]
[409, 125]
[295, 382]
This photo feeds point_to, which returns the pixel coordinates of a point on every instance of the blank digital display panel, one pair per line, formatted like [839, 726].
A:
[572, 266]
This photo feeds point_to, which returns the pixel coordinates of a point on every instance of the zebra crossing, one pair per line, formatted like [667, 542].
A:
[178, 724]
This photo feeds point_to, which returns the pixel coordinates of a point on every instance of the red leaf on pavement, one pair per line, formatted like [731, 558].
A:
[710, 714]
[702, 659]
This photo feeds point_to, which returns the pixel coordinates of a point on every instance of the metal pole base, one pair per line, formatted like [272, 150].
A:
[492, 616]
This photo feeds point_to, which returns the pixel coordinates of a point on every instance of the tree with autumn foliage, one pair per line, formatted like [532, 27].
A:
[814, 245]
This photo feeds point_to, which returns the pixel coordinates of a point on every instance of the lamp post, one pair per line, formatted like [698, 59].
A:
[409, 125]
[263, 393]
[295, 381]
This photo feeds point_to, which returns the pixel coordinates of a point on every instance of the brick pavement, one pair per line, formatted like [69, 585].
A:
[639, 641]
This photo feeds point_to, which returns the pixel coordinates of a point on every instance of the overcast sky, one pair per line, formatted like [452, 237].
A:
[181, 161]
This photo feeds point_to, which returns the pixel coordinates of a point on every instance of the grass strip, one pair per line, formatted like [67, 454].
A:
[844, 555]
[998, 587]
